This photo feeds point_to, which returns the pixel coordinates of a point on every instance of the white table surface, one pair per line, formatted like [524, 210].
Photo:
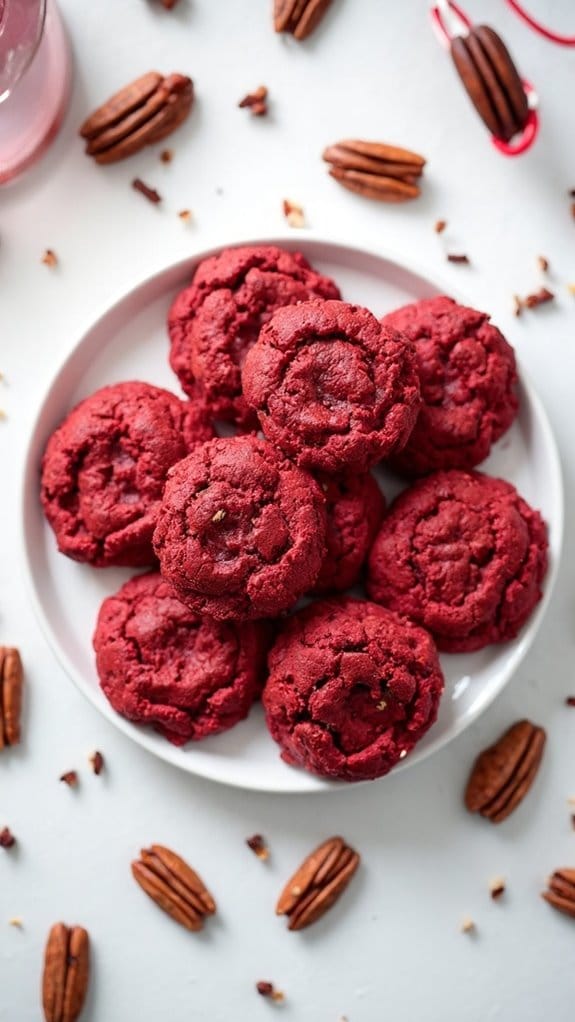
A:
[392, 948]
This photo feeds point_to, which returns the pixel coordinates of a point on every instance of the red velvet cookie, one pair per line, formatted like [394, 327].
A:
[241, 531]
[104, 470]
[354, 506]
[468, 385]
[351, 689]
[333, 388]
[214, 321]
[463, 555]
[160, 663]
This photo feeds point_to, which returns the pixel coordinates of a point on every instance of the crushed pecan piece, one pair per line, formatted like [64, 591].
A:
[440, 226]
[293, 213]
[375, 170]
[300, 17]
[267, 989]
[167, 155]
[456, 257]
[560, 891]
[467, 925]
[70, 777]
[174, 886]
[142, 113]
[497, 888]
[185, 215]
[258, 847]
[256, 101]
[150, 194]
[503, 774]
[543, 264]
[97, 762]
[66, 973]
[11, 686]
[7, 839]
[318, 883]
[570, 701]
[538, 298]
[50, 258]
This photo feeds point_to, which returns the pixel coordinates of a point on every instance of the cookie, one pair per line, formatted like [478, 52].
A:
[160, 663]
[468, 385]
[354, 506]
[104, 469]
[491, 81]
[463, 555]
[241, 531]
[351, 689]
[213, 322]
[333, 388]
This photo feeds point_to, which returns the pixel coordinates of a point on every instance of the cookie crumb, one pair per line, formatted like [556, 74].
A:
[70, 778]
[167, 155]
[7, 839]
[293, 213]
[543, 263]
[149, 193]
[185, 215]
[50, 258]
[258, 846]
[497, 887]
[256, 101]
[267, 989]
[96, 761]
[458, 257]
[467, 925]
[440, 226]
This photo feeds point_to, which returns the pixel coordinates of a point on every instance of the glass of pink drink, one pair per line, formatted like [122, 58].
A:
[34, 81]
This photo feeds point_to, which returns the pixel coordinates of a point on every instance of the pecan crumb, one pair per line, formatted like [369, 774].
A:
[7, 839]
[256, 101]
[219, 516]
[258, 846]
[97, 762]
[293, 213]
[543, 263]
[70, 778]
[185, 215]
[467, 925]
[149, 193]
[571, 193]
[440, 226]
[169, 4]
[538, 298]
[167, 155]
[266, 989]
[16, 921]
[497, 887]
[570, 701]
[458, 257]
[50, 258]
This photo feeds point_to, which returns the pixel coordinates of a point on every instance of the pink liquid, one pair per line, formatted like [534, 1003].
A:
[34, 82]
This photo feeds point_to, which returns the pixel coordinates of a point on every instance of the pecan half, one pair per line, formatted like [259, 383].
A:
[561, 891]
[491, 81]
[174, 886]
[300, 17]
[11, 685]
[503, 774]
[66, 973]
[140, 114]
[318, 883]
[375, 169]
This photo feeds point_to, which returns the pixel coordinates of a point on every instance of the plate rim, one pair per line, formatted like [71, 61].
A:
[29, 467]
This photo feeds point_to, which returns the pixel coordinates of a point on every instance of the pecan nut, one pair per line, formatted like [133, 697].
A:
[174, 886]
[503, 774]
[318, 883]
[375, 170]
[11, 685]
[491, 81]
[66, 973]
[140, 114]
[300, 17]
[561, 891]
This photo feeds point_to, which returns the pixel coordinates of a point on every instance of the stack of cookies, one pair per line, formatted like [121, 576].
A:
[237, 529]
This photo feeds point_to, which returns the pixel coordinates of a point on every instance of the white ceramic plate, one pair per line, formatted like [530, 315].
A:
[129, 342]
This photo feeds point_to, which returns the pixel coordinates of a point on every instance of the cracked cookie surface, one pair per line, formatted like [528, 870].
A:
[213, 322]
[352, 688]
[468, 385]
[104, 469]
[354, 507]
[333, 388]
[241, 530]
[462, 554]
[160, 663]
